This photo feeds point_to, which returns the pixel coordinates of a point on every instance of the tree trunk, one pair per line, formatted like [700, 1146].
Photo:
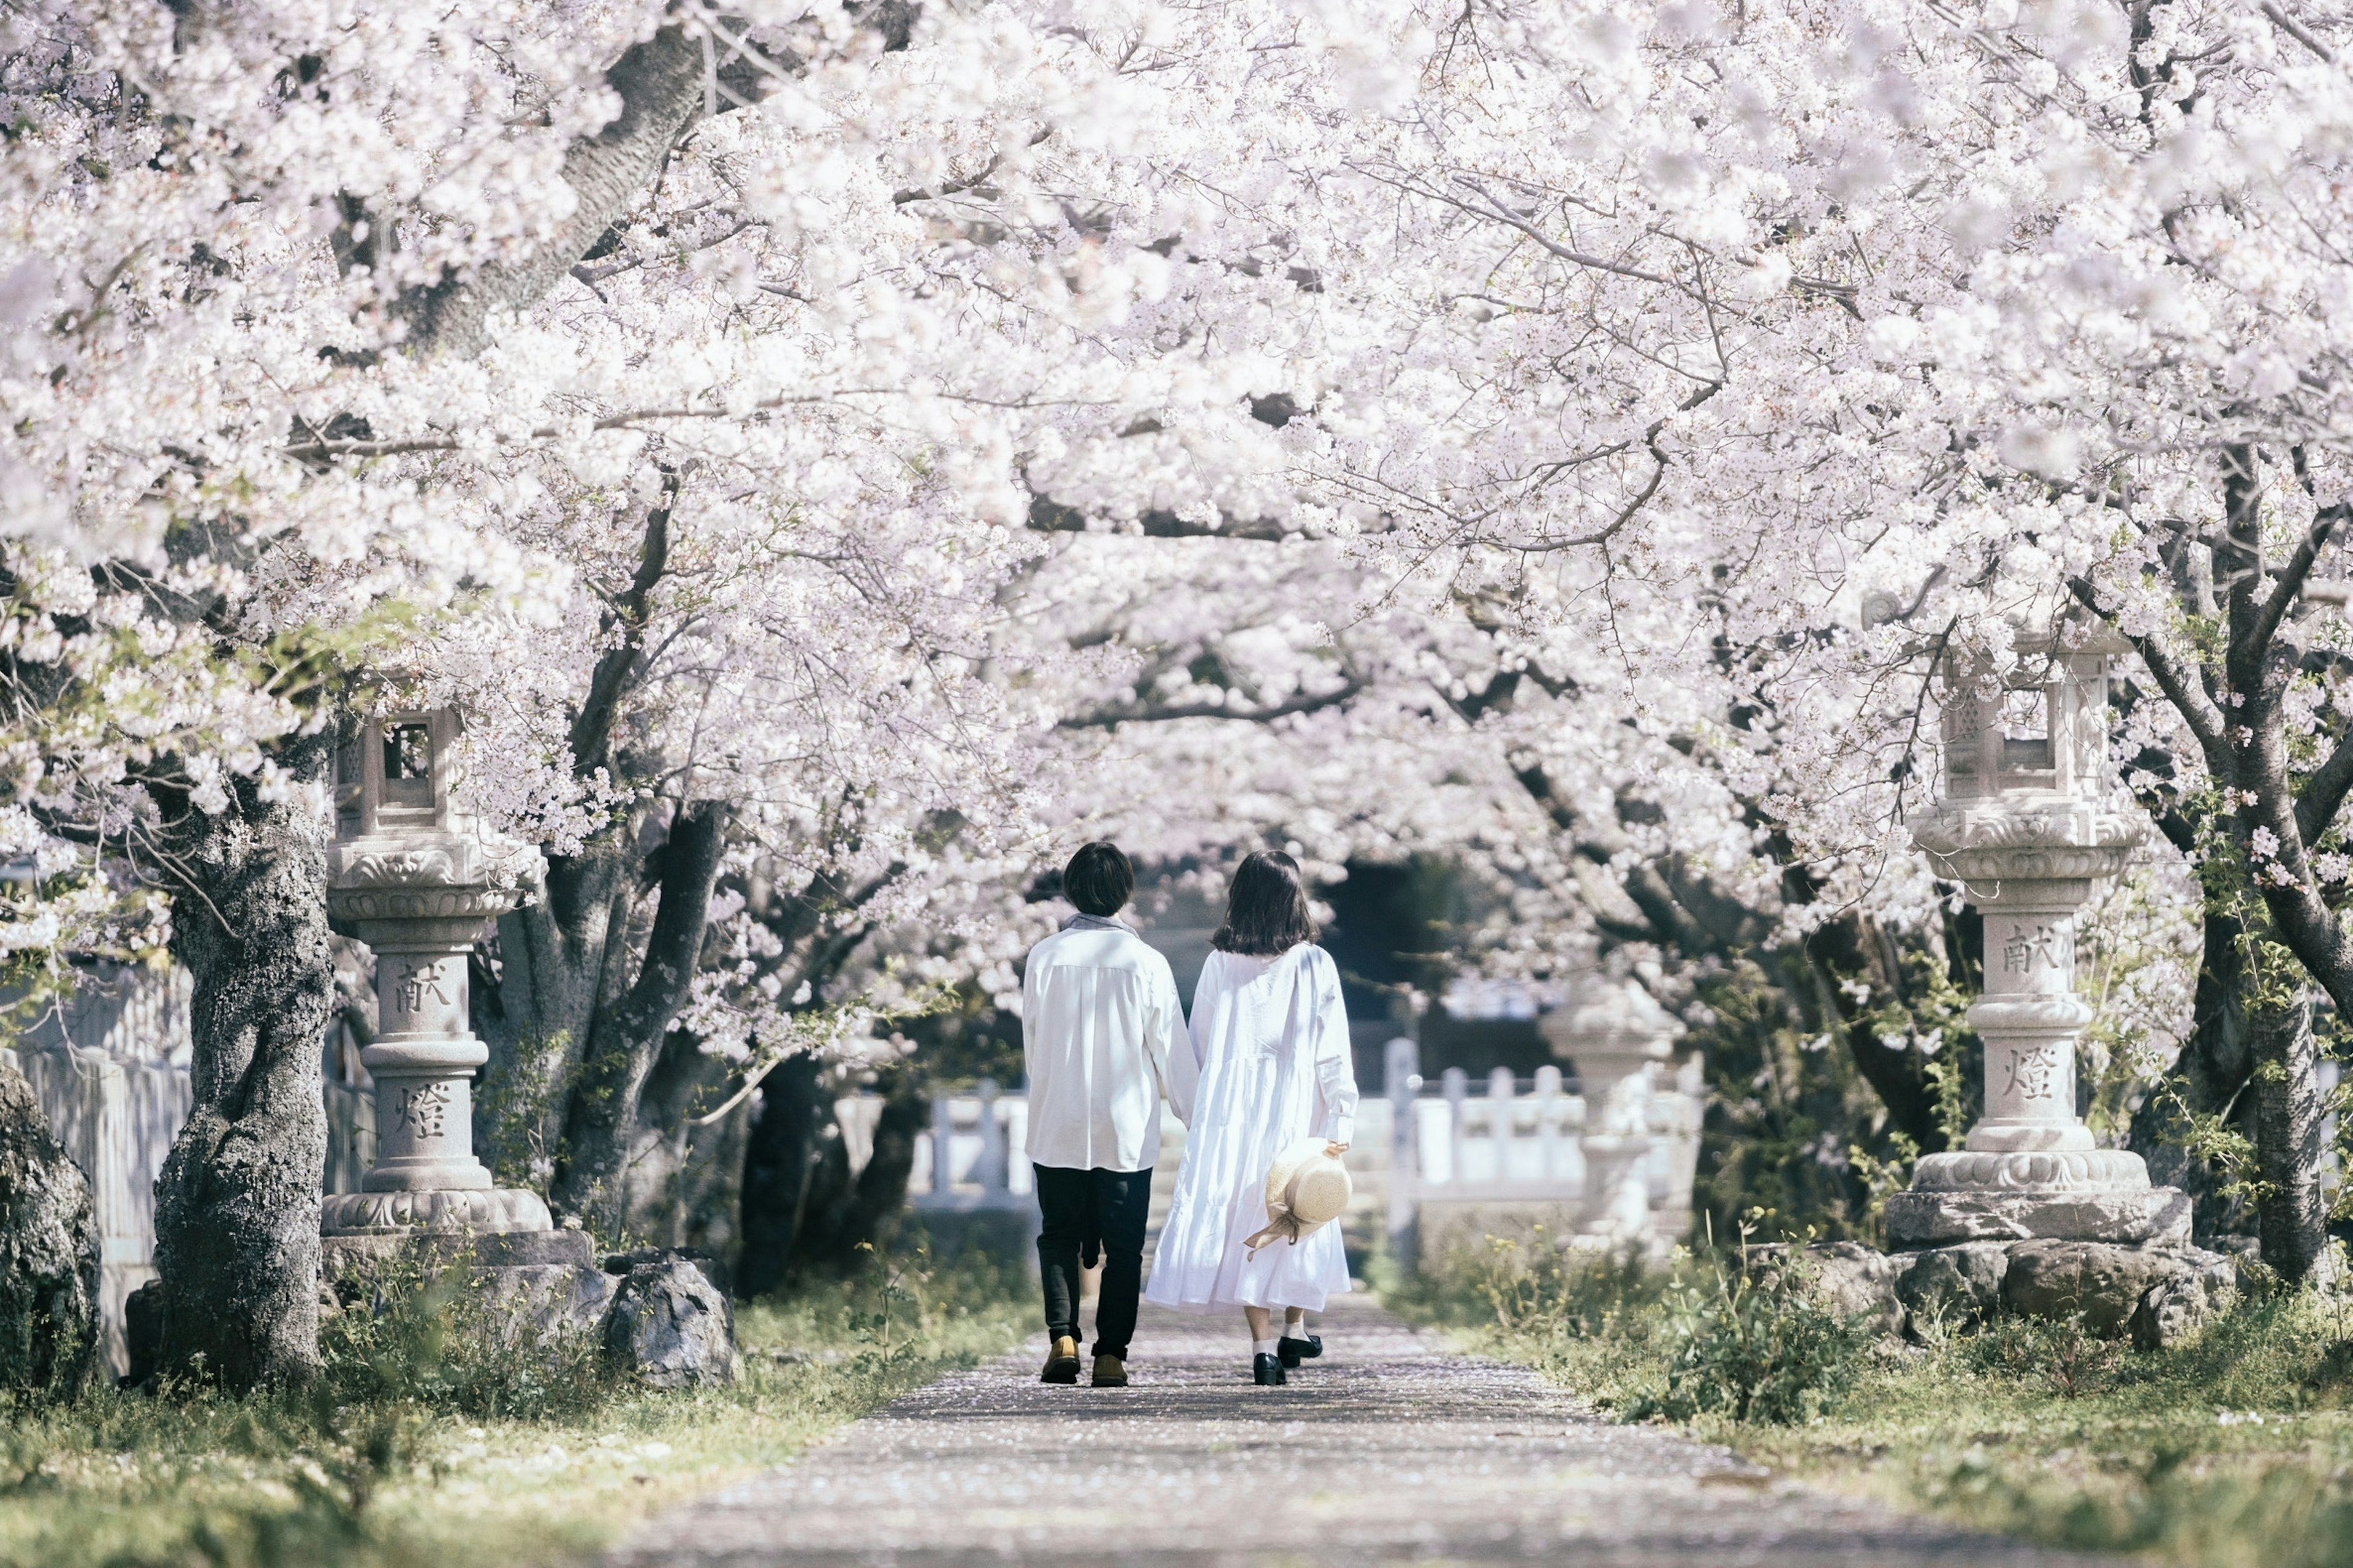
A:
[2214, 1068]
[628, 1038]
[1851, 947]
[879, 1197]
[2292, 1217]
[49, 1253]
[808, 1211]
[237, 1208]
[562, 955]
[776, 1163]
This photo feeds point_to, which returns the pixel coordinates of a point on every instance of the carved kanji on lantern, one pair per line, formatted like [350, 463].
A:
[2027, 828]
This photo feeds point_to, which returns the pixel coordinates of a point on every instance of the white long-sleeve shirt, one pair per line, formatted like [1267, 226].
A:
[1100, 1020]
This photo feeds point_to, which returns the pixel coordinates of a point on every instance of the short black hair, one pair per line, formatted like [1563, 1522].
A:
[1099, 879]
[1266, 908]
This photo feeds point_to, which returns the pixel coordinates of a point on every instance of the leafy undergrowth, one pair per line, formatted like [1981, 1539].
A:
[2234, 1451]
[426, 1443]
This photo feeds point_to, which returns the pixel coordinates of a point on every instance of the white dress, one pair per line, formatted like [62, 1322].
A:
[1270, 1064]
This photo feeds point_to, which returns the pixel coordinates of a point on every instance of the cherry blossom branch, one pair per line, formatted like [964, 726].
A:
[1496, 209]
[1050, 516]
[2296, 30]
[1163, 713]
[1626, 514]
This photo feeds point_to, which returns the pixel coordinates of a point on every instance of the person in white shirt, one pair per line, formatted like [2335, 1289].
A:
[1100, 1020]
[1267, 1065]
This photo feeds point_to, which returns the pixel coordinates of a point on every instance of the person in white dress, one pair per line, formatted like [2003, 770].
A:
[1269, 1064]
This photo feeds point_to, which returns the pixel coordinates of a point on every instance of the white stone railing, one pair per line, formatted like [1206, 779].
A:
[1434, 1164]
[108, 1065]
[1521, 1155]
[971, 1156]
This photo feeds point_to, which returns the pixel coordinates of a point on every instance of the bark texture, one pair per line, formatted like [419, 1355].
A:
[2292, 1216]
[49, 1253]
[2213, 1076]
[237, 1210]
[627, 1038]
[777, 1161]
[804, 1211]
[660, 83]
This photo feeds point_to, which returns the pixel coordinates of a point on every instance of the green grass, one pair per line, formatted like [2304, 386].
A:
[2231, 1452]
[421, 1449]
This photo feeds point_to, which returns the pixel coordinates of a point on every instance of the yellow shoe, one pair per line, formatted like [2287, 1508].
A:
[1110, 1371]
[1062, 1361]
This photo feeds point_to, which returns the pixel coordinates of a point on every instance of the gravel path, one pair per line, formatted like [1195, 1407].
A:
[1392, 1448]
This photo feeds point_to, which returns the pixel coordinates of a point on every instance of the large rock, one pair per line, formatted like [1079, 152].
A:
[2104, 1283]
[671, 1326]
[1853, 1280]
[2174, 1309]
[2158, 1216]
[48, 1251]
[1953, 1285]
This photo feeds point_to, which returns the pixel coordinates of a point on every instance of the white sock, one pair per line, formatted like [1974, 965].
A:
[1261, 1347]
[1294, 1328]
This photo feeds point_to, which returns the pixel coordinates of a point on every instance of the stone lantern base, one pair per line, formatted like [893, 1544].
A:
[2073, 1192]
[1932, 1214]
[343, 1255]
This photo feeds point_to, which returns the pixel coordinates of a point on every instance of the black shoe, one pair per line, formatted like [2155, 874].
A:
[1266, 1371]
[1293, 1352]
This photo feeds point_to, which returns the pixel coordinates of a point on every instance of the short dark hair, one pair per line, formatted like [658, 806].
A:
[1266, 908]
[1099, 879]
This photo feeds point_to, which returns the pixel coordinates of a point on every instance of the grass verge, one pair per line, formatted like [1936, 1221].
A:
[2234, 1451]
[421, 1448]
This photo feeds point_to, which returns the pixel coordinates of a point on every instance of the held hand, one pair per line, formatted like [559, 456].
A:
[1336, 1150]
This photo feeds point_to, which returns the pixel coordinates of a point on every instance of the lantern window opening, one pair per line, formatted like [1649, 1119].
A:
[408, 752]
[2023, 716]
[408, 771]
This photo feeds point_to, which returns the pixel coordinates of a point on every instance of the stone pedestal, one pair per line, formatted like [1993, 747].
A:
[408, 875]
[2024, 829]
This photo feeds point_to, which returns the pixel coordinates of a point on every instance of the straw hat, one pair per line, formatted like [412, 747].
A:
[1306, 1190]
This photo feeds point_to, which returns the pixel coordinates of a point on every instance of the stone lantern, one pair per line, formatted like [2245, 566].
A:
[409, 874]
[1620, 1039]
[2026, 827]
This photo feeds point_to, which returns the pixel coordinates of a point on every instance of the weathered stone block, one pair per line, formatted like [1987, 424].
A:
[2104, 1283]
[1959, 1284]
[536, 1302]
[2157, 1217]
[671, 1326]
[1852, 1279]
[2173, 1309]
[340, 1255]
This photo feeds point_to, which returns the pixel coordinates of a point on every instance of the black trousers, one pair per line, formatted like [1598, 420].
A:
[1082, 1208]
